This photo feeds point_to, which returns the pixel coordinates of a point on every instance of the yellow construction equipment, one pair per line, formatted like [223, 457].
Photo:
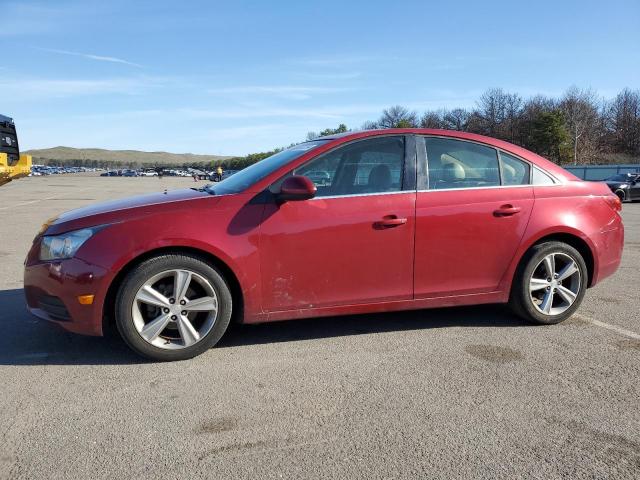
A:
[9, 172]
[12, 164]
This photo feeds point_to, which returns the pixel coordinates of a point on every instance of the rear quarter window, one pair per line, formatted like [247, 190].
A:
[538, 177]
[513, 170]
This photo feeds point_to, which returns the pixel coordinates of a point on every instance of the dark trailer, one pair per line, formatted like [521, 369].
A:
[9, 140]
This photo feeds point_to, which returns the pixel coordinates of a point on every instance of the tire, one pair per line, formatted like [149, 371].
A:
[187, 326]
[530, 289]
[621, 194]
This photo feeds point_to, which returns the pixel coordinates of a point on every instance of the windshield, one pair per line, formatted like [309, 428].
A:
[259, 170]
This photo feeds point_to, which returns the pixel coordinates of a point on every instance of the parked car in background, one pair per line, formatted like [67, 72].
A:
[37, 170]
[110, 173]
[625, 185]
[213, 176]
[129, 173]
[200, 174]
[320, 178]
[410, 219]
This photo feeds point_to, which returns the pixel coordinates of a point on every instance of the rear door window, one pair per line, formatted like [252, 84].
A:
[460, 164]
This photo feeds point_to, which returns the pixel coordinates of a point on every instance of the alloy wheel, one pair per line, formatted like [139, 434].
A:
[555, 284]
[175, 309]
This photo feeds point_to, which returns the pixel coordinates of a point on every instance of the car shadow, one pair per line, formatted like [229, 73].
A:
[28, 341]
[495, 316]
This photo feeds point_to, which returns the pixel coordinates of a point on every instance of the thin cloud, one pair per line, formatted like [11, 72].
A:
[90, 56]
[285, 91]
[335, 60]
[24, 90]
[328, 113]
[330, 76]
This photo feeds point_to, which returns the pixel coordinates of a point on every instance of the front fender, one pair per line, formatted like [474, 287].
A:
[117, 246]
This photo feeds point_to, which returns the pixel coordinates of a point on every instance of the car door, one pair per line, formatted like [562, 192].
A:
[353, 242]
[634, 188]
[473, 205]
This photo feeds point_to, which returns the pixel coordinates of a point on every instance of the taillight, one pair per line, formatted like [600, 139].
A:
[613, 201]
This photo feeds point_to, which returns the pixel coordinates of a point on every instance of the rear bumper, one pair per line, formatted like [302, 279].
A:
[609, 244]
[52, 290]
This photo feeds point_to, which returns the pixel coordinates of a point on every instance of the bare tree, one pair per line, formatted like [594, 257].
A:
[490, 110]
[512, 115]
[432, 119]
[623, 121]
[497, 114]
[370, 125]
[580, 108]
[455, 119]
[398, 117]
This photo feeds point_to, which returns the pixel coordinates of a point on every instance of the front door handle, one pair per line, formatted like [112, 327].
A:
[389, 221]
[506, 210]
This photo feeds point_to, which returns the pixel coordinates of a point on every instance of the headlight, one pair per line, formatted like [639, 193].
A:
[65, 245]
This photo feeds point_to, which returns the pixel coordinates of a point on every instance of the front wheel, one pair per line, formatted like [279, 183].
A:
[549, 284]
[173, 307]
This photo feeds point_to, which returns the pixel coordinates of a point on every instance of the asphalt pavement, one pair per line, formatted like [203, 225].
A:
[448, 393]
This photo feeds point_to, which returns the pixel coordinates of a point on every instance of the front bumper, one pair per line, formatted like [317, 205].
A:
[52, 290]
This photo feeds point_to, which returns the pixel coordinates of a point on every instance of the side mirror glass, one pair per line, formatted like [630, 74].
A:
[297, 187]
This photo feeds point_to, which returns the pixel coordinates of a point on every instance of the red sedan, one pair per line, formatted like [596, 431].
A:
[396, 220]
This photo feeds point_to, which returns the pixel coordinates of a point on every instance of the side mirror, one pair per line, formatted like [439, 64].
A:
[296, 187]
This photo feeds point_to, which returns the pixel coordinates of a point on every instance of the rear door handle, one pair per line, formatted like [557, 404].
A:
[389, 221]
[506, 211]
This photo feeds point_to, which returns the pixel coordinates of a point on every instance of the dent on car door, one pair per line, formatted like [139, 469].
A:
[472, 209]
[353, 242]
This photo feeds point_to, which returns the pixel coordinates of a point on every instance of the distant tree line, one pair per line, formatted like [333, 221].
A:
[342, 128]
[579, 127]
[234, 163]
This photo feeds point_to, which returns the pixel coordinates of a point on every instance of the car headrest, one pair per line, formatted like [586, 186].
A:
[452, 172]
[380, 177]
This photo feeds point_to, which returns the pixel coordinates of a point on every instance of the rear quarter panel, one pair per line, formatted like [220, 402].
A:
[576, 208]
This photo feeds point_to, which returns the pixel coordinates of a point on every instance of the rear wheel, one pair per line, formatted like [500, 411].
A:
[621, 195]
[173, 307]
[549, 284]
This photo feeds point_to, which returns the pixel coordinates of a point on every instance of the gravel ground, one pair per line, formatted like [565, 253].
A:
[464, 393]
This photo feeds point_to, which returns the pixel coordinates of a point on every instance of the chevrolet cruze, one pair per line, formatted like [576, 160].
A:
[398, 220]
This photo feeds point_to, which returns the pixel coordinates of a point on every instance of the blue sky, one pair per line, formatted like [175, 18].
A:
[236, 77]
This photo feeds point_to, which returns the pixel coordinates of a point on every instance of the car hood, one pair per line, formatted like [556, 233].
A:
[116, 210]
[614, 184]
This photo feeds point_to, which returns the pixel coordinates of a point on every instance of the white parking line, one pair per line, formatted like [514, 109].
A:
[622, 331]
[40, 200]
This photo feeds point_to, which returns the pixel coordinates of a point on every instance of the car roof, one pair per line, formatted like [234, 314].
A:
[541, 162]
